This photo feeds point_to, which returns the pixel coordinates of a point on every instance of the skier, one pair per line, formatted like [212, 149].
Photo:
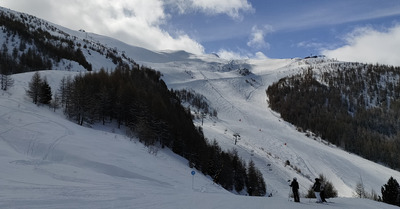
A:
[317, 189]
[295, 189]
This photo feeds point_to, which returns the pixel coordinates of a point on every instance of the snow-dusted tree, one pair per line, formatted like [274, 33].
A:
[360, 190]
[6, 81]
[5, 74]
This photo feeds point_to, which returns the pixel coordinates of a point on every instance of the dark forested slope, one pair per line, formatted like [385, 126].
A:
[28, 43]
[352, 105]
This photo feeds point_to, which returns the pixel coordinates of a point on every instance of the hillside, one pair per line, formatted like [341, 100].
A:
[48, 161]
[360, 100]
[265, 137]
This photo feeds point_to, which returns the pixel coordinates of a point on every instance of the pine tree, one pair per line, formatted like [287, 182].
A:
[255, 182]
[6, 81]
[239, 171]
[45, 92]
[62, 91]
[226, 174]
[34, 87]
[262, 188]
[390, 192]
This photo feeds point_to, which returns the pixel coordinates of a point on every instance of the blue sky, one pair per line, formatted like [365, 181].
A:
[342, 29]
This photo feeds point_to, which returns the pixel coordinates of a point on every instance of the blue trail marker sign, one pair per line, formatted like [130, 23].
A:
[193, 173]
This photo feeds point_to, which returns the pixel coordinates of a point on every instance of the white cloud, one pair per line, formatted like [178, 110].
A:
[136, 22]
[232, 8]
[260, 56]
[326, 13]
[257, 37]
[240, 54]
[370, 45]
[230, 55]
[310, 44]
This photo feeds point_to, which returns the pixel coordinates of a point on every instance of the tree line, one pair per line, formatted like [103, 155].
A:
[138, 99]
[352, 105]
[35, 45]
[38, 49]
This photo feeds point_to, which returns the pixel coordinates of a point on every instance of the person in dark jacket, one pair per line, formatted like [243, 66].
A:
[295, 189]
[317, 189]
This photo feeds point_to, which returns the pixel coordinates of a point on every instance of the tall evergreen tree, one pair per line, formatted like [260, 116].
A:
[239, 171]
[34, 87]
[45, 92]
[62, 90]
[255, 182]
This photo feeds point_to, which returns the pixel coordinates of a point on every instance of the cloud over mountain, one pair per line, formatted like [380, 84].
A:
[370, 45]
[137, 22]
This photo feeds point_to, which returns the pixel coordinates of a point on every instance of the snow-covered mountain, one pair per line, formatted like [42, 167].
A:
[50, 162]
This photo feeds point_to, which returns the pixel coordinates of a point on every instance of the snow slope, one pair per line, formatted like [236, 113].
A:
[50, 162]
[242, 107]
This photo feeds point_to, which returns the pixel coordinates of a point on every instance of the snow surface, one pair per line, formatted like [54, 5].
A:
[48, 161]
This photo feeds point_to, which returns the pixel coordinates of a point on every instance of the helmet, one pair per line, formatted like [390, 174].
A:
[295, 178]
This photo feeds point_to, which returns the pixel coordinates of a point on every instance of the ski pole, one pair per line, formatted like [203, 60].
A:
[289, 193]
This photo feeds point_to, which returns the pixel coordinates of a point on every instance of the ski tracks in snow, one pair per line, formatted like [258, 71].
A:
[20, 119]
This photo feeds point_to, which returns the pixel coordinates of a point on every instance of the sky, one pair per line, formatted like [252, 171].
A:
[356, 30]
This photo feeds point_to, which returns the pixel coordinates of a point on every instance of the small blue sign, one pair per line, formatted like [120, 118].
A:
[193, 172]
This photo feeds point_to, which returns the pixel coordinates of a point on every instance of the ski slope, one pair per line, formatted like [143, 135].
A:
[50, 162]
[242, 107]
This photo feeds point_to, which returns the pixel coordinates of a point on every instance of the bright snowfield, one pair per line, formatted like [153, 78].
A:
[48, 161]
